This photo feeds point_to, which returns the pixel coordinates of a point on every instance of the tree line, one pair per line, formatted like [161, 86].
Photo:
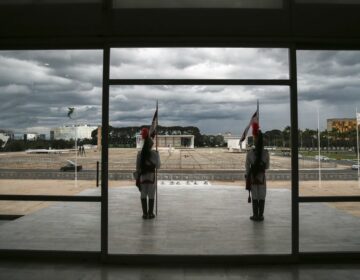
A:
[119, 137]
[17, 145]
[308, 138]
[125, 137]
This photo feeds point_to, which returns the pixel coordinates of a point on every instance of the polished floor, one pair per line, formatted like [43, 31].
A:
[192, 219]
[94, 271]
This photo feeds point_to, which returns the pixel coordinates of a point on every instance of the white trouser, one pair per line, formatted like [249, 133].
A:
[148, 189]
[258, 192]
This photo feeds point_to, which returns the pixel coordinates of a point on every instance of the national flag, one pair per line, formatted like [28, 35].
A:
[254, 121]
[70, 112]
[154, 122]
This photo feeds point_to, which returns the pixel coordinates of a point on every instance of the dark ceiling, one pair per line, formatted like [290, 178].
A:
[94, 25]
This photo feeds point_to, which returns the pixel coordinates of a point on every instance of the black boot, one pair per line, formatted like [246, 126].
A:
[255, 206]
[144, 208]
[261, 209]
[151, 214]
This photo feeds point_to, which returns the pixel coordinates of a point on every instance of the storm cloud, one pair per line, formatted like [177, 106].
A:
[37, 87]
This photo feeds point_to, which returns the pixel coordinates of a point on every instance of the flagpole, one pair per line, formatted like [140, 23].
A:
[318, 119]
[156, 143]
[76, 152]
[357, 145]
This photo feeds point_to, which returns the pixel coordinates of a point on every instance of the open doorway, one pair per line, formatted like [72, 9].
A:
[202, 202]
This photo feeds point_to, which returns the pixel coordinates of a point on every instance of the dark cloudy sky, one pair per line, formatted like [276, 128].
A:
[37, 87]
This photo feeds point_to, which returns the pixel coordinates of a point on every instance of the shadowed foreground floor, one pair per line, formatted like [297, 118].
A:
[201, 219]
[91, 271]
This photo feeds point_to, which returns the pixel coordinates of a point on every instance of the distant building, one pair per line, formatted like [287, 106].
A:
[68, 132]
[233, 142]
[18, 136]
[342, 125]
[170, 141]
[6, 134]
[4, 137]
[31, 136]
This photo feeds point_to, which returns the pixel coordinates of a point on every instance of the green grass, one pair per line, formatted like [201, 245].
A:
[332, 154]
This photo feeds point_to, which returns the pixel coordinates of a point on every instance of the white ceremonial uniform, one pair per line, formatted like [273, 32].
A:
[258, 191]
[147, 180]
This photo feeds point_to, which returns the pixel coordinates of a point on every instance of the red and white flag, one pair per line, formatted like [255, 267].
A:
[254, 121]
[154, 123]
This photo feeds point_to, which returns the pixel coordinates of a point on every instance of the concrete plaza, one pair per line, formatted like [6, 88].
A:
[192, 219]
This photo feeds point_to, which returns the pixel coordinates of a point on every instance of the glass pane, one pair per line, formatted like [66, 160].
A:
[202, 203]
[47, 100]
[337, 227]
[243, 4]
[68, 226]
[328, 100]
[195, 105]
[199, 63]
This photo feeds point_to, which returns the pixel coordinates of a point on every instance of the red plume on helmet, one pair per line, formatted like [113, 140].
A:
[255, 128]
[144, 133]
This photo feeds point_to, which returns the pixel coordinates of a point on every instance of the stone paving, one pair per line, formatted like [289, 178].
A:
[85, 270]
[178, 159]
[217, 175]
[201, 219]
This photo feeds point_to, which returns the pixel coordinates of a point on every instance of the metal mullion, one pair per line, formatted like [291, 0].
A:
[294, 153]
[107, 5]
[203, 42]
[329, 256]
[49, 254]
[313, 199]
[350, 45]
[82, 198]
[239, 82]
[174, 259]
[105, 153]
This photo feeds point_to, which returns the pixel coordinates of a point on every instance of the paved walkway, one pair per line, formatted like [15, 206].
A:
[200, 219]
[35, 270]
